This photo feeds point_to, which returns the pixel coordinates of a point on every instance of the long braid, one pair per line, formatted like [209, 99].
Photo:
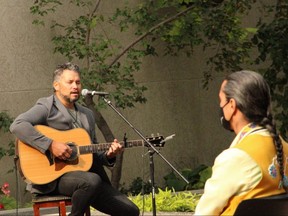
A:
[252, 95]
[267, 123]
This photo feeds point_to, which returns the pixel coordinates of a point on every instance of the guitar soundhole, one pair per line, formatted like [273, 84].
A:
[74, 154]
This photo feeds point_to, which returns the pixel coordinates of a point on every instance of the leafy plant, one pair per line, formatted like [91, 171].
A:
[5, 122]
[271, 41]
[6, 201]
[168, 201]
[185, 25]
[196, 178]
[138, 186]
[83, 38]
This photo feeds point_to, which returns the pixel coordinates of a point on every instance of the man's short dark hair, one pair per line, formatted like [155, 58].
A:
[66, 66]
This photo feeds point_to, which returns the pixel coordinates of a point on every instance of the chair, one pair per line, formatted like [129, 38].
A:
[53, 201]
[272, 206]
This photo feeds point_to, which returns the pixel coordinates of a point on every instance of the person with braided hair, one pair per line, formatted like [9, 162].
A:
[254, 165]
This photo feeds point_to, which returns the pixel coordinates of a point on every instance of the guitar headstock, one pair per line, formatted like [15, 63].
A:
[156, 141]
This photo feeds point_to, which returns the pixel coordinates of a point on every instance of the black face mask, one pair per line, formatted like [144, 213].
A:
[225, 124]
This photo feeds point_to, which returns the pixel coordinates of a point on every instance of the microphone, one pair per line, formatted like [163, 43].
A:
[168, 138]
[85, 92]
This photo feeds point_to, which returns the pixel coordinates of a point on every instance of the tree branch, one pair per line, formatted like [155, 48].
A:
[149, 32]
[89, 31]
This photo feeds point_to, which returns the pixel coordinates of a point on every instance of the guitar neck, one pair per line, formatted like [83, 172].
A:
[88, 149]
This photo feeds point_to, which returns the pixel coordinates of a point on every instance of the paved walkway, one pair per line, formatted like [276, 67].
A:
[54, 212]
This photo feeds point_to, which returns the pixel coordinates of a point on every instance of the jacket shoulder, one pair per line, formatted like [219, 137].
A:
[84, 109]
[46, 100]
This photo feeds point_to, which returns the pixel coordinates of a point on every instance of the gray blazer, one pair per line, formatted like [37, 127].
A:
[51, 112]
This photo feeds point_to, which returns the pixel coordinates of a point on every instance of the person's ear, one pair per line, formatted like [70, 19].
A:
[56, 85]
[232, 104]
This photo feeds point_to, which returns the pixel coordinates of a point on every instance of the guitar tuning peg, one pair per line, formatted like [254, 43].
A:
[152, 135]
[158, 134]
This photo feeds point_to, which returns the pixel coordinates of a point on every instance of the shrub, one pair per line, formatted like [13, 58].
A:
[168, 201]
[196, 177]
[6, 201]
[138, 186]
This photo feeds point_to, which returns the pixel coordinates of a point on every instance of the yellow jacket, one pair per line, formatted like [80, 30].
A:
[248, 169]
[261, 149]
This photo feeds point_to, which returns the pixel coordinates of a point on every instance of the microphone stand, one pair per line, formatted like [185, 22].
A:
[151, 151]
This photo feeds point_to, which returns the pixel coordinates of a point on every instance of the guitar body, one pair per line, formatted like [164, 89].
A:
[36, 166]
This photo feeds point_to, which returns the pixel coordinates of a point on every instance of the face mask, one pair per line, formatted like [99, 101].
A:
[225, 124]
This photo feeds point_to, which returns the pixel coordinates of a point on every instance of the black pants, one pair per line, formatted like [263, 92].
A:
[87, 189]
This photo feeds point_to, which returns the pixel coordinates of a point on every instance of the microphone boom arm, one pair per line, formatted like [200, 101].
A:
[143, 137]
[151, 151]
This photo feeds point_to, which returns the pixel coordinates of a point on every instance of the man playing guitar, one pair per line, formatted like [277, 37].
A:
[61, 112]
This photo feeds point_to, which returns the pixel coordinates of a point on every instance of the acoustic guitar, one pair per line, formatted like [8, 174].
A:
[39, 168]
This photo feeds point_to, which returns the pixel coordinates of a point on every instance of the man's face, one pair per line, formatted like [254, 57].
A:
[68, 88]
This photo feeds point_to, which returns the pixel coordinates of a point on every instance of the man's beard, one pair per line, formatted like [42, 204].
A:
[68, 99]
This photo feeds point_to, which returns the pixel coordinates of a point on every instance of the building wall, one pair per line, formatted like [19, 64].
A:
[177, 103]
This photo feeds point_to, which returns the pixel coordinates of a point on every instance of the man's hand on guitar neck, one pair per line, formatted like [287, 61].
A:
[60, 150]
[115, 148]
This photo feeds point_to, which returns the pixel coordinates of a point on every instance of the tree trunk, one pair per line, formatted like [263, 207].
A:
[101, 123]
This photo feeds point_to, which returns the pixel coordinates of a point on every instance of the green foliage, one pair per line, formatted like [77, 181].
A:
[272, 43]
[168, 201]
[5, 122]
[83, 38]
[181, 24]
[8, 202]
[196, 178]
[138, 186]
[184, 25]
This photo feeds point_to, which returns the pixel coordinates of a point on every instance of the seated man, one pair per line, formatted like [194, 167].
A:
[60, 111]
[255, 163]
